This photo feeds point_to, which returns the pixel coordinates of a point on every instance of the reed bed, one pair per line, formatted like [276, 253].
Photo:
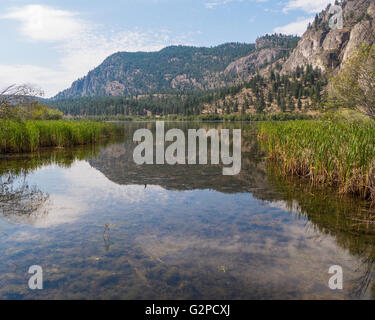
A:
[335, 153]
[28, 136]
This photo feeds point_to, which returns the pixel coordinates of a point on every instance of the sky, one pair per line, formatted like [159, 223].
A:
[51, 43]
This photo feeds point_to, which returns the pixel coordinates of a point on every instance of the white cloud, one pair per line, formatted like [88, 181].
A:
[310, 6]
[295, 28]
[40, 23]
[47, 79]
[299, 27]
[81, 46]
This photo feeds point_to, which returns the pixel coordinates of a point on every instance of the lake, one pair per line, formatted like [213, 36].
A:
[103, 227]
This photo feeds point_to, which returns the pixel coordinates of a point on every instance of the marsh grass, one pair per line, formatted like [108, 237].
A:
[336, 153]
[29, 136]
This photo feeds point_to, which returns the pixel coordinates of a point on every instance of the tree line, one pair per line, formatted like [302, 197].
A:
[286, 92]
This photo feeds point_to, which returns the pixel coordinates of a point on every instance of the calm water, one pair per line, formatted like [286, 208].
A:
[104, 228]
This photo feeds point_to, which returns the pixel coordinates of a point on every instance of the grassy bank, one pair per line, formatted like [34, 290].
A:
[28, 136]
[336, 153]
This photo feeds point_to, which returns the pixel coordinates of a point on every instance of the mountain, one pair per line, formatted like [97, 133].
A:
[179, 68]
[276, 74]
[328, 49]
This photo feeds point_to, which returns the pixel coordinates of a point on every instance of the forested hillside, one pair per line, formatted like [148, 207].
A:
[300, 91]
[179, 68]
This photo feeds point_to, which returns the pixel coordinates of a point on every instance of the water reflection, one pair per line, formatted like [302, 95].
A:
[103, 227]
[348, 220]
[19, 201]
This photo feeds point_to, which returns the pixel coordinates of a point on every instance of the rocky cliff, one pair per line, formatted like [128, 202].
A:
[326, 48]
[268, 49]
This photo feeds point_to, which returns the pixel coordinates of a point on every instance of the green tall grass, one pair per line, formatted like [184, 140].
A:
[28, 136]
[337, 153]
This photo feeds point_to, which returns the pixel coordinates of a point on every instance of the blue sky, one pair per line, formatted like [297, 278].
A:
[51, 43]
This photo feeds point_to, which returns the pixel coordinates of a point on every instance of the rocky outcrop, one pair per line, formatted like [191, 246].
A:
[268, 49]
[328, 49]
[254, 61]
[363, 32]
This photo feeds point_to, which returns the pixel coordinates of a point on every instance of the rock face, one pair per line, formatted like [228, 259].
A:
[268, 50]
[254, 61]
[328, 49]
